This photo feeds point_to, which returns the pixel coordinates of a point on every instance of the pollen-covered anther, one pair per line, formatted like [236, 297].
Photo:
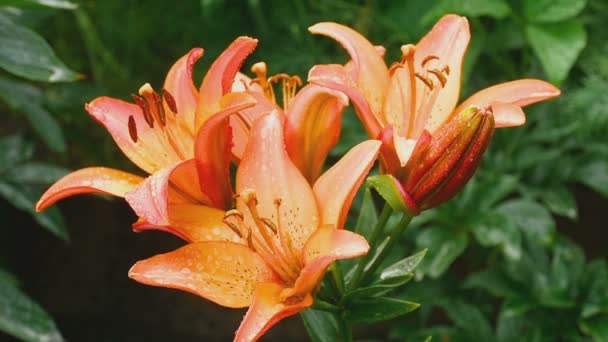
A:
[132, 128]
[427, 59]
[170, 101]
[234, 227]
[268, 223]
[145, 108]
[443, 79]
[233, 212]
[427, 81]
[289, 86]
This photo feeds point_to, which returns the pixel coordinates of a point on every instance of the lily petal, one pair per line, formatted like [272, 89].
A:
[324, 247]
[101, 180]
[267, 310]
[150, 152]
[194, 223]
[370, 71]
[398, 110]
[519, 93]
[220, 77]
[181, 87]
[336, 77]
[150, 199]
[223, 272]
[337, 187]
[312, 128]
[212, 151]
[267, 170]
[448, 40]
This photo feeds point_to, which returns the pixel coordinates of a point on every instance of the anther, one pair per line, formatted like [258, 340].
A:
[248, 196]
[407, 51]
[440, 76]
[268, 223]
[233, 227]
[159, 108]
[132, 128]
[233, 212]
[428, 59]
[170, 100]
[427, 81]
[143, 104]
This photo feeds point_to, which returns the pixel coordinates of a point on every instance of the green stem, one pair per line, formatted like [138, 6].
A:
[346, 330]
[336, 272]
[325, 306]
[392, 239]
[378, 229]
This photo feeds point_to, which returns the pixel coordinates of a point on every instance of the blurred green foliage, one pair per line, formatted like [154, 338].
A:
[498, 266]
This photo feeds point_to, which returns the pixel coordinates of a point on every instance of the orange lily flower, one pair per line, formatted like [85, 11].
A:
[313, 117]
[160, 135]
[416, 97]
[284, 232]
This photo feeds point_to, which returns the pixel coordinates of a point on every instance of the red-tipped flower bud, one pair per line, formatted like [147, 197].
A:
[442, 164]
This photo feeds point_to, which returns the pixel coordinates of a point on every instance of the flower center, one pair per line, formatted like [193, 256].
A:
[266, 236]
[434, 77]
[153, 111]
[289, 84]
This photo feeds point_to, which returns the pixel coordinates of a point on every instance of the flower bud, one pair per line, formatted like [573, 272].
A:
[442, 164]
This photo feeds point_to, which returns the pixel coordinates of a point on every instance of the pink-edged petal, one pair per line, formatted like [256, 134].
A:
[185, 186]
[223, 272]
[242, 122]
[507, 115]
[324, 247]
[194, 223]
[219, 79]
[448, 40]
[398, 110]
[337, 187]
[267, 310]
[150, 152]
[519, 93]
[404, 148]
[213, 151]
[267, 170]
[101, 180]
[336, 77]
[181, 87]
[312, 128]
[370, 71]
[150, 199]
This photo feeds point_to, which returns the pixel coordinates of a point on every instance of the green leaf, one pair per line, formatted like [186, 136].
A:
[560, 201]
[444, 245]
[497, 9]
[368, 216]
[469, 318]
[493, 229]
[25, 199]
[25, 53]
[557, 46]
[596, 327]
[321, 326]
[533, 219]
[552, 10]
[377, 309]
[61, 4]
[595, 176]
[494, 281]
[388, 187]
[15, 150]
[495, 189]
[23, 318]
[377, 289]
[403, 267]
[36, 173]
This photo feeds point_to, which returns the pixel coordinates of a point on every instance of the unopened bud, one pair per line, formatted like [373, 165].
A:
[442, 164]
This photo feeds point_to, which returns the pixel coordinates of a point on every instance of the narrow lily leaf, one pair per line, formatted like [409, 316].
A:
[378, 309]
[560, 201]
[557, 46]
[36, 173]
[25, 199]
[497, 9]
[403, 267]
[388, 187]
[494, 229]
[595, 176]
[469, 318]
[552, 10]
[321, 326]
[21, 317]
[531, 218]
[378, 289]
[25, 53]
[15, 150]
[60, 4]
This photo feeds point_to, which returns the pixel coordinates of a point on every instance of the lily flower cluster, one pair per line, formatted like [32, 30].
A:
[264, 237]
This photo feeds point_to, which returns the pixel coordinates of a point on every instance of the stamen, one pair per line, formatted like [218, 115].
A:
[440, 76]
[170, 100]
[234, 227]
[159, 108]
[407, 52]
[289, 86]
[446, 70]
[143, 104]
[269, 224]
[428, 59]
[233, 212]
[427, 81]
[132, 128]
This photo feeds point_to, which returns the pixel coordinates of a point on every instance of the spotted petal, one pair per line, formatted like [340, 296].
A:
[101, 180]
[267, 310]
[267, 170]
[223, 272]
